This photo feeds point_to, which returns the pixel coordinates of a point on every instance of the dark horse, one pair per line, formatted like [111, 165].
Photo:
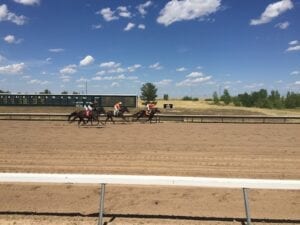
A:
[143, 113]
[83, 118]
[110, 114]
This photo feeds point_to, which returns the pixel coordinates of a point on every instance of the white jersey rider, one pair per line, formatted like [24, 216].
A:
[150, 106]
[117, 108]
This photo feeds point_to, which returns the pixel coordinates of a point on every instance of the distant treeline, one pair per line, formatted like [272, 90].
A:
[260, 99]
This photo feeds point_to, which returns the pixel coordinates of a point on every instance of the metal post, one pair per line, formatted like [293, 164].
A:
[247, 208]
[101, 210]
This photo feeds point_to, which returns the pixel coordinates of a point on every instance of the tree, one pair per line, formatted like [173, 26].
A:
[166, 97]
[226, 98]
[216, 98]
[148, 92]
[64, 92]
[46, 92]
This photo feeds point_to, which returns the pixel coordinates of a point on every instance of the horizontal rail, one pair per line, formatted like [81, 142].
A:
[149, 180]
[166, 117]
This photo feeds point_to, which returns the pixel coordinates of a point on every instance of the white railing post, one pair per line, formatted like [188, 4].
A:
[247, 207]
[101, 210]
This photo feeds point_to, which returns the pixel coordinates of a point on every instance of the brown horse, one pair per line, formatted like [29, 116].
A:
[84, 118]
[143, 113]
[110, 114]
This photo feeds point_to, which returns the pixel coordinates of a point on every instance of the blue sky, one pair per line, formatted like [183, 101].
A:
[184, 47]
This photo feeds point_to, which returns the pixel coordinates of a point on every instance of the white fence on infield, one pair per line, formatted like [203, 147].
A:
[103, 180]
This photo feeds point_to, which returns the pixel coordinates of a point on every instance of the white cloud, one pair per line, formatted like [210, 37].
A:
[108, 14]
[129, 26]
[82, 80]
[163, 82]
[273, 10]
[141, 8]
[193, 81]
[283, 25]
[142, 26]
[115, 84]
[297, 82]
[87, 61]
[134, 67]
[293, 48]
[110, 64]
[40, 82]
[181, 69]
[56, 50]
[155, 66]
[178, 10]
[96, 26]
[254, 85]
[11, 39]
[2, 59]
[123, 12]
[70, 69]
[100, 73]
[195, 74]
[295, 42]
[28, 2]
[117, 70]
[296, 72]
[12, 69]
[6, 15]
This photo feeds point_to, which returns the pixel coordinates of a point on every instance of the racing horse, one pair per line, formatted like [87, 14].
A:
[143, 113]
[84, 118]
[110, 114]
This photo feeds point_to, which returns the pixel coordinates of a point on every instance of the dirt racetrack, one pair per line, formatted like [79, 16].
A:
[268, 151]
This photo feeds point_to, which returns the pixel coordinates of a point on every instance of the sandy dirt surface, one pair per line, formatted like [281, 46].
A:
[177, 149]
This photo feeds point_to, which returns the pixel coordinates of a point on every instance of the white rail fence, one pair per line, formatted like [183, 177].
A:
[165, 117]
[103, 180]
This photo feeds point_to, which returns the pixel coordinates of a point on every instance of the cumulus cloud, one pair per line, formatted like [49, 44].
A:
[193, 79]
[134, 67]
[142, 26]
[96, 26]
[123, 12]
[295, 72]
[40, 82]
[87, 61]
[294, 46]
[70, 69]
[11, 39]
[272, 11]
[17, 68]
[129, 26]
[110, 64]
[181, 69]
[6, 15]
[283, 25]
[297, 82]
[156, 66]
[178, 10]
[164, 82]
[108, 14]
[28, 2]
[295, 42]
[56, 50]
[142, 7]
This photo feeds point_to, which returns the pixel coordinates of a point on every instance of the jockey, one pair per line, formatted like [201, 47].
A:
[150, 106]
[88, 109]
[117, 108]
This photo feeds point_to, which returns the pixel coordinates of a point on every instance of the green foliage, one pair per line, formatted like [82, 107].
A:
[226, 98]
[64, 92]
[46, 92]
[188, 98]
[148, 92]
[1, 91]
[166, 97]
[262, 99]
[216, 98]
